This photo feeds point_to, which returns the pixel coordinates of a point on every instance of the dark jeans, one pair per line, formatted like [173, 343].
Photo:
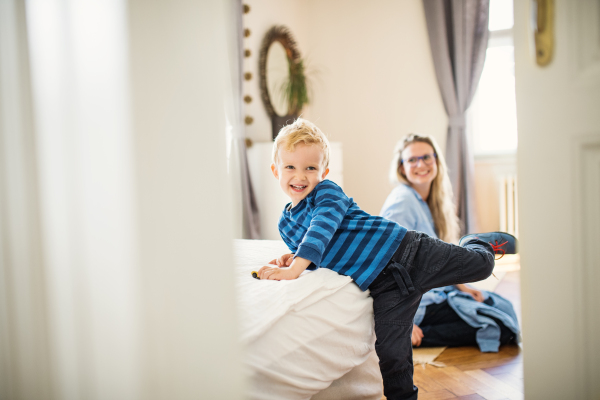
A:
[442, 326]
[421, 263]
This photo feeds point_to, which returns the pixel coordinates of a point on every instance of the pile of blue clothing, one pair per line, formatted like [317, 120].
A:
[478, 315]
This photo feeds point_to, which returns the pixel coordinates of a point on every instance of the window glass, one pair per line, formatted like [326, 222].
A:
[501, 15]
[492, 117]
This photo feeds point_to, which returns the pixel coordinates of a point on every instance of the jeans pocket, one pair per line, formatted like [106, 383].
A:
[386, 301]
[433, 254]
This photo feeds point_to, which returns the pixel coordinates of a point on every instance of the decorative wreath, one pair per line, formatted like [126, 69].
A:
[282, 34]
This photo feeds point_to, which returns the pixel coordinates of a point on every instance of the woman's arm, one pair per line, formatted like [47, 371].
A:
[477, 295]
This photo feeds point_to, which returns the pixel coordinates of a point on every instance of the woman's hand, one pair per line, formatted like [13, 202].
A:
[417, 336]
[476, 294]
[283, 261]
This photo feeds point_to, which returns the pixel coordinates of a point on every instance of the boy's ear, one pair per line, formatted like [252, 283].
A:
[325, 173]
[275, 171]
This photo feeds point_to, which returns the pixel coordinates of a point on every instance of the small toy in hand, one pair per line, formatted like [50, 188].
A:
[255, 275]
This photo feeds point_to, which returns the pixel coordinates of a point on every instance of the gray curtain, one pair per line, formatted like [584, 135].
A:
[458, 35]
[250, 213]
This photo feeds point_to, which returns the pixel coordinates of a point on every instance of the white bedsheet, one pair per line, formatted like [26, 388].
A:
[304, 334]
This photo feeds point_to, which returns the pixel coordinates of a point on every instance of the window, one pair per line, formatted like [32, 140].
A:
[501, 15]
[492, 116]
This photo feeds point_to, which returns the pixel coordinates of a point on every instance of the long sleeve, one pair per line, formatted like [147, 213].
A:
[331, 204]
[290, 244]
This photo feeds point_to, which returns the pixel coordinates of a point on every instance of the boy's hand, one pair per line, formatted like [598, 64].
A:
[283, 261]
[297, 266]
[277, 274]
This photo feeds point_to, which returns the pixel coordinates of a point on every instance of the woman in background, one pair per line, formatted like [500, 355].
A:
[422, 200]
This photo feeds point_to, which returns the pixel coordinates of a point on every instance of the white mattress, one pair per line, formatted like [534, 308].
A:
[310, 335]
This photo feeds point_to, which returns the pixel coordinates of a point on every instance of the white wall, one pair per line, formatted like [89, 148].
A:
[263, 15]
[179, 69]
[373, 81]
[377, 83]
[559, 197]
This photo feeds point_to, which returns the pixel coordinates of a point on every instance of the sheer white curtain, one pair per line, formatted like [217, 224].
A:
[115, 203]
[24, 357]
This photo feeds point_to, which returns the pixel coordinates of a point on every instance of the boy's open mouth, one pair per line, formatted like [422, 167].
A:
[298, 188]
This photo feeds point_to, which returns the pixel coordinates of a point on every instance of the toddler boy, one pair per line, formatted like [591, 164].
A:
[324, 228]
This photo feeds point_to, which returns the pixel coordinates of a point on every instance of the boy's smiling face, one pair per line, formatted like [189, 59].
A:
[299, 171]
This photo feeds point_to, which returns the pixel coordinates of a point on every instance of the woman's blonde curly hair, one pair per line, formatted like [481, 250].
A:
[440, 200]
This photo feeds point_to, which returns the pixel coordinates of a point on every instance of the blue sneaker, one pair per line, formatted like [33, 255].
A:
[502, 242]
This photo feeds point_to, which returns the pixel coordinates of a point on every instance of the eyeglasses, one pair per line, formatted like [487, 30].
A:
[427, 159]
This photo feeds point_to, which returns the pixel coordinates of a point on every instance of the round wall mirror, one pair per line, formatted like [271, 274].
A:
[282, 80]
[277, 74]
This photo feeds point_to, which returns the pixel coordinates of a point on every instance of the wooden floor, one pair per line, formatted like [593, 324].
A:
[470, 374]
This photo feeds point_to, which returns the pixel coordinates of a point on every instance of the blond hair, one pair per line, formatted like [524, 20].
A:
[440, 197]
[300, 131]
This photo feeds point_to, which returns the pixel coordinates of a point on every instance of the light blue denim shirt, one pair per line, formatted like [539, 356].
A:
[406, 207]
[478, 315]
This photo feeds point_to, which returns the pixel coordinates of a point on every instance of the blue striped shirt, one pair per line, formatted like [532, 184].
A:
[330, 230]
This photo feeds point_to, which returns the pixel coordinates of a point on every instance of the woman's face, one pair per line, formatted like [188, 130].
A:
[419, 173]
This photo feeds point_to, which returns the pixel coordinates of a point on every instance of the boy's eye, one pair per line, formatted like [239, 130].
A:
[289, 167]
[311, 168]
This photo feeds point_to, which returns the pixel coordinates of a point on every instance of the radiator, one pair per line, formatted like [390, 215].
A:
[508, 205]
